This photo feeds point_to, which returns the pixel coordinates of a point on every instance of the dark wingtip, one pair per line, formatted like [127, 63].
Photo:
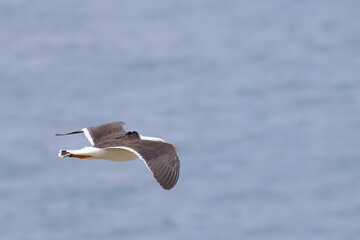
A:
[63, 134]
[169, 183]
[167, 188]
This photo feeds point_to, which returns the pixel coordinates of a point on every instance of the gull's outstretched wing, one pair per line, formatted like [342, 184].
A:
[98, 133]
[160, 158]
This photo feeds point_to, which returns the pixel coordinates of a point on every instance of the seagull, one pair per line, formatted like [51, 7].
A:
[111, 142]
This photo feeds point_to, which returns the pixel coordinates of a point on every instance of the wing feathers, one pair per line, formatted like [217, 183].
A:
[106, 131]
[160, 158]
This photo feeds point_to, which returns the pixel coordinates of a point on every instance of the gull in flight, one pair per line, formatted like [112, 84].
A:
[111, 142]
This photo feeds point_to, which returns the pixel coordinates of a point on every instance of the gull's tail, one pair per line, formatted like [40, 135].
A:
[64, 153]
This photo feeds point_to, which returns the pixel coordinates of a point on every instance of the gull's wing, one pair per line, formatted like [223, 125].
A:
[160, 158]
[101, 132]
[98, 133]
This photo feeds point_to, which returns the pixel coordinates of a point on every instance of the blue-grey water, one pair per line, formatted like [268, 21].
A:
[262, 99]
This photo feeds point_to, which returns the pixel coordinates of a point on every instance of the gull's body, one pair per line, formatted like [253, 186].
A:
[111, 142]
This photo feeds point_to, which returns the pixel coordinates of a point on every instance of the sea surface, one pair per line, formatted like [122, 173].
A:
[262, 99]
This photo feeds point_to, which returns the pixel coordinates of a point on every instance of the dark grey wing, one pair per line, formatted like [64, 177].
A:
[161, 159]
[98, 133]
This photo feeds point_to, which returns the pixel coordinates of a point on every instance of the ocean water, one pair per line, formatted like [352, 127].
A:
[262, 99]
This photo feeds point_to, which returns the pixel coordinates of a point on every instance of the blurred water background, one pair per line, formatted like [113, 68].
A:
[262, 99]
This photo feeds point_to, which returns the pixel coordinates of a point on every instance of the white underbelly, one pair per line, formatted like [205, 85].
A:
[118, 154]
[112, 154]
